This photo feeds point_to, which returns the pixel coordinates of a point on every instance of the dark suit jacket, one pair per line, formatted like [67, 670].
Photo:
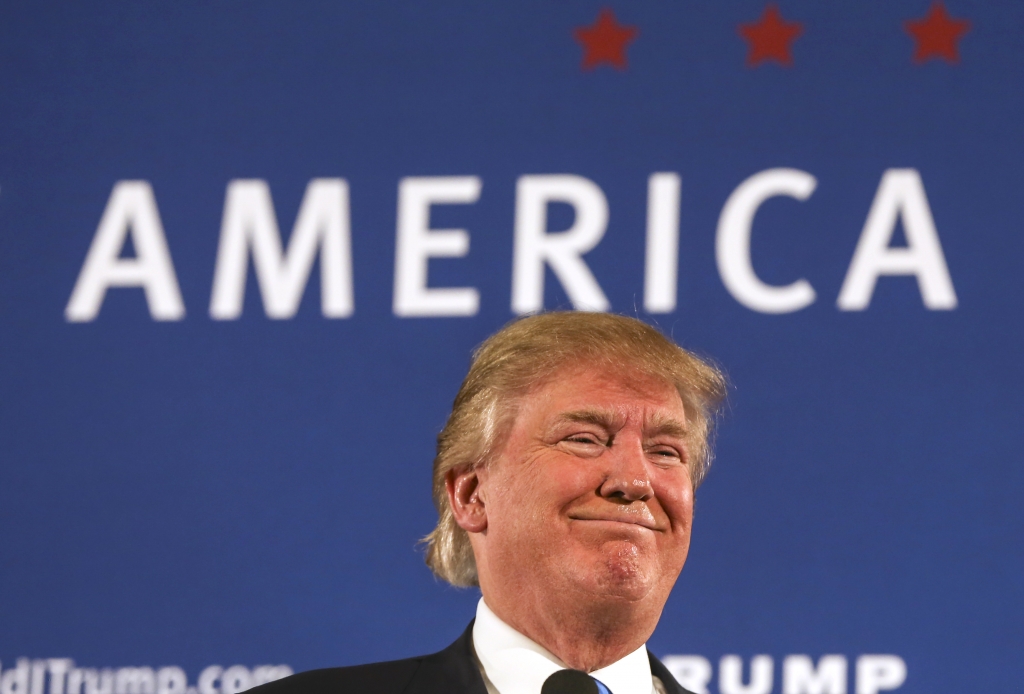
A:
[451, 671]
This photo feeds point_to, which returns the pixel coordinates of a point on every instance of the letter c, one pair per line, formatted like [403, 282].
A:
[732, 242]
[208, 680]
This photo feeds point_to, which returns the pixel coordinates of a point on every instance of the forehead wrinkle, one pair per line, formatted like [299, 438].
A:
[656, 423]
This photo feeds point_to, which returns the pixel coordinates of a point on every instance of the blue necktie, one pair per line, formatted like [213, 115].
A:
[601, 686]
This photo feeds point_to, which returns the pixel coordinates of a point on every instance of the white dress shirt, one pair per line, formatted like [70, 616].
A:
[513, 664]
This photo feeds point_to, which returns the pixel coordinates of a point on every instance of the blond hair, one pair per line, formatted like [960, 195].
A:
[520, 358]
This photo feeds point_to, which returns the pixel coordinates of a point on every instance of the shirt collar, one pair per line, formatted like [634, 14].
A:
[515, 664]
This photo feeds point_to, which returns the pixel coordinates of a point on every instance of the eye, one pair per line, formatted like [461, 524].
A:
[667, 453]
[583, 438]
[583, 444]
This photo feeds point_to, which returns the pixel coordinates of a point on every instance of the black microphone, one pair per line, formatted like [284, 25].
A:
[570, 682]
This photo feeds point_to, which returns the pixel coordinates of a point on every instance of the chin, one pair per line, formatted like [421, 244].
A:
[621, 572]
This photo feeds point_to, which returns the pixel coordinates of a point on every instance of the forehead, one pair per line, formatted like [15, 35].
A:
[624, 393]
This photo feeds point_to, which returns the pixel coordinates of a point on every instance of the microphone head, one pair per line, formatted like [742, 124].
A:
[570, 682]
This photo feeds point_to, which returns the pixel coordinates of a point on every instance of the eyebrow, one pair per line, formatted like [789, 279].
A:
[599, 418]
[659, 424]
[670, 427]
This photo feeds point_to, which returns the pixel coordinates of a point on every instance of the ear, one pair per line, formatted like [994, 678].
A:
[463, 486]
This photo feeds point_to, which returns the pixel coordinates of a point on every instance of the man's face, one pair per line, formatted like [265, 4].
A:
[591, 494]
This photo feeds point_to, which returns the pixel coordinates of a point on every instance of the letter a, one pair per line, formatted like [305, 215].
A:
[130, 210]
[900, 193]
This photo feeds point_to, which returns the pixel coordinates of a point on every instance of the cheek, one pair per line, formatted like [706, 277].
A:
[676, 495]
[545, 485]
[568, 478]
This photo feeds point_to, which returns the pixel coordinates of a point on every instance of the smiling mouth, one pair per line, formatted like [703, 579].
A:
[641, 522]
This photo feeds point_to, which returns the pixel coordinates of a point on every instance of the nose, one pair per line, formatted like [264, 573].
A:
[627, 478]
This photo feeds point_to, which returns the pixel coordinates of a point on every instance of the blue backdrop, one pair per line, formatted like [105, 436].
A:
[251, 490]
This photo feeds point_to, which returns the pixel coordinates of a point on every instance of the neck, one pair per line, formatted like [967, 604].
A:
[584, 634]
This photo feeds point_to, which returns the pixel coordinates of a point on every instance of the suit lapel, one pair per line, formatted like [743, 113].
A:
[451, 671]
[662, 673]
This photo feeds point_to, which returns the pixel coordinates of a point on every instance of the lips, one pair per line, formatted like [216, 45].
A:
[642, 519]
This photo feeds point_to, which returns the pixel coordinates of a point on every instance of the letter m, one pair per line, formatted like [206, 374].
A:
[135, 680]
[250, 223]
[799, 676]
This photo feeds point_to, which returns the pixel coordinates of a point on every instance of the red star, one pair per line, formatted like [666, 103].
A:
[605, 41]
[936, 35]
[770, 37]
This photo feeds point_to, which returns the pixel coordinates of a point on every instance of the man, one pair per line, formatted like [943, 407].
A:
[564, 483]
